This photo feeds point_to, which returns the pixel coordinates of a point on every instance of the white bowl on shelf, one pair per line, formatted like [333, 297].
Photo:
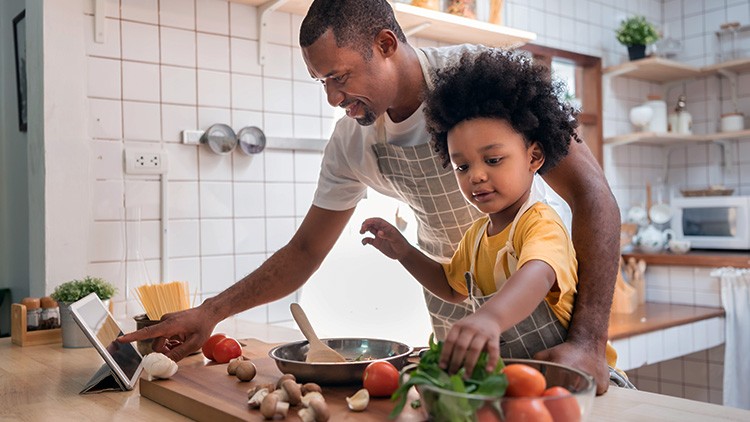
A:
[641, 116]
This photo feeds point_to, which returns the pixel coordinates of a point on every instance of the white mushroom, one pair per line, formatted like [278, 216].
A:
[289, 391]
[272, 406]
[359, 401]
[257, 398]
[233, 364]
[246, 371]
[317, 411]
[311, 396]
[158, 365]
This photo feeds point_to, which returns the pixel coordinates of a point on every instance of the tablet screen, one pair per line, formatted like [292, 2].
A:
[106, 330]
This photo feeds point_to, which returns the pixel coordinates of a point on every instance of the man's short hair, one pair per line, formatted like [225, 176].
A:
[355, 23]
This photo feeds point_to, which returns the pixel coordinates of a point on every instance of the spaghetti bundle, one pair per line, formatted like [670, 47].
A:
[160, 299]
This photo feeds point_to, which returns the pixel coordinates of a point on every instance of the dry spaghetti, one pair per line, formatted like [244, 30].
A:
[160, 299]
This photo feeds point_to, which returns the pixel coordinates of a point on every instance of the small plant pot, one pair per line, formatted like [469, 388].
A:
[636, 52]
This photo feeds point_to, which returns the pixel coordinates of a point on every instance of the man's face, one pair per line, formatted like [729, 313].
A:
[351, 82]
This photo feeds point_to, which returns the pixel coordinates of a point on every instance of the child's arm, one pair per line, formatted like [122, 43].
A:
[388, 240]
[515, 301]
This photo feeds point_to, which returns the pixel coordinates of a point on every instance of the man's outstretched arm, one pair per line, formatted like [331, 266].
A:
[283, 273]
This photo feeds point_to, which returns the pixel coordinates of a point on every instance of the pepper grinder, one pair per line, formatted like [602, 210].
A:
[681, 121]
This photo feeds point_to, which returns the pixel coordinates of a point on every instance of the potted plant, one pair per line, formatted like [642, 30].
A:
[636, 33]
[71, 291]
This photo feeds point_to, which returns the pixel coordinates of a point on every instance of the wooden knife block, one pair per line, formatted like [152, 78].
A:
[631, 293]
[20, 336]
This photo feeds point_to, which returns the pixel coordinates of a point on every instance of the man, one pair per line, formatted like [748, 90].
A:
[357, 50]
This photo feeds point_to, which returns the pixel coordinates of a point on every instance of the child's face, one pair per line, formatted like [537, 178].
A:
[493, 166]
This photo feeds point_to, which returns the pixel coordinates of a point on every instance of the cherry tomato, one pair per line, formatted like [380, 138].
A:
[524, 381]
[226, 350]
[380, 378]
[562, 405]
[522, 409]
[208, 346]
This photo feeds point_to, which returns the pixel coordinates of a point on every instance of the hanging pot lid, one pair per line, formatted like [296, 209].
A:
[220, 138]
[252, 140]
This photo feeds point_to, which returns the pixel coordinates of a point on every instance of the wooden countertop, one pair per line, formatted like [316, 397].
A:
[695, 258]
[657, 316]
[42, 383]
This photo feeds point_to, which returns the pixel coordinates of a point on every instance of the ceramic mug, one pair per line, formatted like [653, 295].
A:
[679, 246]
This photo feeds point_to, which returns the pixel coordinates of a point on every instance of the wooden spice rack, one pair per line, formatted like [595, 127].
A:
[22, 337]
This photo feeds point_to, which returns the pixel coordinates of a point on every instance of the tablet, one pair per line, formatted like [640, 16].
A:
[102, 331]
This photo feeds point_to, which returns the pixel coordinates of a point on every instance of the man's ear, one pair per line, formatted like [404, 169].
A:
[386, 43]
[536, 157]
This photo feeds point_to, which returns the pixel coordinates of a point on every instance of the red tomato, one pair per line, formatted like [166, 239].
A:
[563, 407]
[488, 413]
[524, 381]
[226, 350]
[380, 378]
[208, 346]
[523, 409]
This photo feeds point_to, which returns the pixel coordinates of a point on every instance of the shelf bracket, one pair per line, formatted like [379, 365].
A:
[99, 22]
[263, 11]
[416, 28]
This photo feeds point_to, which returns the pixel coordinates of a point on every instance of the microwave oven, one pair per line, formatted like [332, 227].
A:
[713, 222]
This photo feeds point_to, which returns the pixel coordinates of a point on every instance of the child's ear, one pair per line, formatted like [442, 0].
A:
[536, 157]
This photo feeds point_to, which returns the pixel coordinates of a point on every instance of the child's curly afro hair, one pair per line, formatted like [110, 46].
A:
[499, 84]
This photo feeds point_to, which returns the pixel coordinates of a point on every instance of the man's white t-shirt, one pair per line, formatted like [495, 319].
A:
[349, 163]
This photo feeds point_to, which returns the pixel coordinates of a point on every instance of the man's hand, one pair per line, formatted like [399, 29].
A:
[177, 335]
[580, 356]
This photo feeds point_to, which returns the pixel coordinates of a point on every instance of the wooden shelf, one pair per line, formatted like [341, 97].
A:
[440, 26]
[657, 69]
[653, 69]
[695, 258]
[652, 138]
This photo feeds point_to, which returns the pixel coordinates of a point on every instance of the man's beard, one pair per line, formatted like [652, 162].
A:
[368, 119]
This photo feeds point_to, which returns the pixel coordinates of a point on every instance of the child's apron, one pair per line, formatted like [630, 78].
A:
[540, 330]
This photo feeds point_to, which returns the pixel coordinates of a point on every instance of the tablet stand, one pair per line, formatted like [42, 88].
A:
[103, 380]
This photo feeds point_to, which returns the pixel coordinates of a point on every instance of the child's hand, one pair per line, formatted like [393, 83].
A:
[387, 238]
[467, 339]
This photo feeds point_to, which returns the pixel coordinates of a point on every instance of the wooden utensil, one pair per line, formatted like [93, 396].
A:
[319, 351]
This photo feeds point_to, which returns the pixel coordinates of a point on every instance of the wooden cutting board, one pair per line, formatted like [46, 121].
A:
[203, 391]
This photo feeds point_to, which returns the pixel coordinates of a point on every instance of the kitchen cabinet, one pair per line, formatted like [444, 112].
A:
[668, 72]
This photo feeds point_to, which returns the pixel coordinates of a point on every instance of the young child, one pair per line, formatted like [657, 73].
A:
[496, 118]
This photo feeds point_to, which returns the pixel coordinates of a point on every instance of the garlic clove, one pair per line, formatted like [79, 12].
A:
[359, 401]
[158, 365]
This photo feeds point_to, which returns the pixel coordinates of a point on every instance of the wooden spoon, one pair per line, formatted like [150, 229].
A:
[319, 351]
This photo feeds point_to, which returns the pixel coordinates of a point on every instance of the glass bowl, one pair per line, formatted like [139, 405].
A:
[445, 405]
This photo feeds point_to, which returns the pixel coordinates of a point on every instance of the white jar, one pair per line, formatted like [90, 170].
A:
[658, 123]
[732, 122]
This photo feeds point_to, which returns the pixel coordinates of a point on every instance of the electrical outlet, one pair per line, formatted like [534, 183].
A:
[191, 137]
[145, 162]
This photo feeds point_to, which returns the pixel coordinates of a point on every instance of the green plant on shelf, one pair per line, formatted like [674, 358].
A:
[636, 31]
[74, 290]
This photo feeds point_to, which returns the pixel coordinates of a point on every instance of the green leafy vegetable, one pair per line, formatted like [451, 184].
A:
[449, 407]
